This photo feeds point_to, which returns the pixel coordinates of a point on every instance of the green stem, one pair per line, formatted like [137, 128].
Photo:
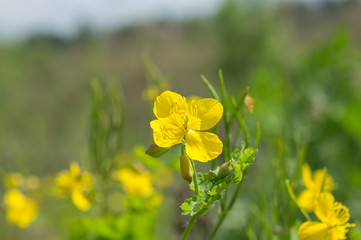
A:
[227, 140]
[214, 161]
[213, 164]
[189, 227]
[239, 105]
[324, 179]
[219, 223]
[244, 128]
[195, 181]
[237, 138]
[210, 87]
[294, 199]
[226, 211]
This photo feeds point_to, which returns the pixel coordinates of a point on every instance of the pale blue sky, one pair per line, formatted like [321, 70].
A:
[20, 18]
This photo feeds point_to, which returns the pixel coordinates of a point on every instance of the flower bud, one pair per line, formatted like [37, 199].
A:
[225, 169]
[249, 103]
[186, 168]
[156, 151]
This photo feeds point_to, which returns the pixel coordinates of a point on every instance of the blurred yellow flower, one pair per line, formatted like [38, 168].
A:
[14, 180]
[314, 185]
[20, 210]
[80, 199]
[77, 184]
[136, 184]
[334, 217]
[179, 120]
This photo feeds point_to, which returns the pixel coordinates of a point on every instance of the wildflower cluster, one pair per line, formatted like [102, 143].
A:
[77, 184]
[333, 216]
[123, 190]
[333, 223]
[21, 209]
[139, 189]
[319, 182]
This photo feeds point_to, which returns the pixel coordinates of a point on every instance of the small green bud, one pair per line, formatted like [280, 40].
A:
[213, 174]
[225, 169]
[186, 168]
[156, 151]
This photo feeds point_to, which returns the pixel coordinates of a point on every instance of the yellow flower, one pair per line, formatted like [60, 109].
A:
[80, 199]
[179, 119]
[334, 217]
[77, 184]
[136, 184]
[20, 209]
[314, 184]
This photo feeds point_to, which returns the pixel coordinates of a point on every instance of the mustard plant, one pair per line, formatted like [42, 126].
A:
[187, 122]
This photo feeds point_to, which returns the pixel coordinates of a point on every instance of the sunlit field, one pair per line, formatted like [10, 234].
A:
[243, 124]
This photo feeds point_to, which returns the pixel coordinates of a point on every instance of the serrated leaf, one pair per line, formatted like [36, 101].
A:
[193, 206]
[248, 155]
[245, 157]
[185, 207]
[211, 187]
[237, 173]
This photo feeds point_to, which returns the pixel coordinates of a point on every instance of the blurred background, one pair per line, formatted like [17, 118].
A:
[301, 60]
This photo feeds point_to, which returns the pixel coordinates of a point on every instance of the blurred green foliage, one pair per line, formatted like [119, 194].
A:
[308, 97]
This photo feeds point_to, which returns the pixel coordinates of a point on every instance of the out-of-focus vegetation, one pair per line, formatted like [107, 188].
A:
[302, 69]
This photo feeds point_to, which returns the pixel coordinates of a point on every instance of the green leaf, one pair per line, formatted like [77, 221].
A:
[248, 155]
[245, 157]
[237, 177]
[185, 207]
[211, 187]
[193, 206]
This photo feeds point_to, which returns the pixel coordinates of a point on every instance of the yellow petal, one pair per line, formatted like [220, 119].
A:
[338, 232]
[168, 131]
[14, 197]
[20, 209]
[324, 206]
[307, 175]
[320, 177]
[136, 184]
[306, 200]
[190, 99]
[312, 231]
[74, 169]
[203, 146]
[204, 113]
[168, 103]
[79, 199]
